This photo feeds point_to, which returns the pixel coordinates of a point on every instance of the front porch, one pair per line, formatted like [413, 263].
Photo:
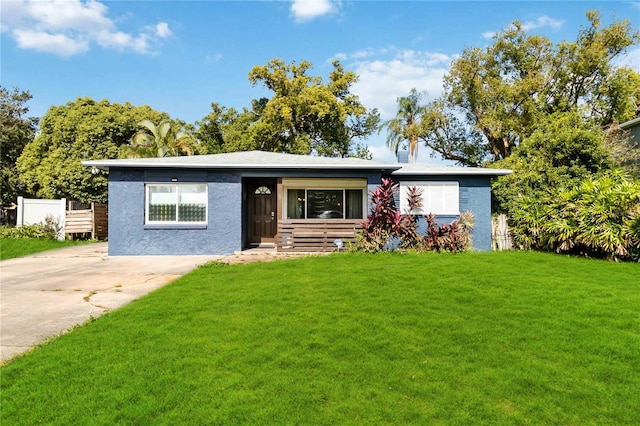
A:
[315, 235]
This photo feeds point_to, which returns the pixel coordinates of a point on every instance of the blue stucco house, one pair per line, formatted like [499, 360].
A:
[224, 203]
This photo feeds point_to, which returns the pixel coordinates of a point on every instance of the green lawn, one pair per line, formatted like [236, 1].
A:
[480, 338]
[16, 247]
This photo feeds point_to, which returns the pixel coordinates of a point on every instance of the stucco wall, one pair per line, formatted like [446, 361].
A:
[474, 196]
[223, 234]
[128, 234]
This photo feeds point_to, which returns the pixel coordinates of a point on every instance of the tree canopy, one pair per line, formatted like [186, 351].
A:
[494, 97]
[306, 115]
[16, 131]
[50, 165]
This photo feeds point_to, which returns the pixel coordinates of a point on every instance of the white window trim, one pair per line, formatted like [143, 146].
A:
[446, 194]
[177, 185]
[323, 185]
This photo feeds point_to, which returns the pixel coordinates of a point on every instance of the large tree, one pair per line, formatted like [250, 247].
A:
[494, 97]
[50, 165]
[306, 115]
[16, 131]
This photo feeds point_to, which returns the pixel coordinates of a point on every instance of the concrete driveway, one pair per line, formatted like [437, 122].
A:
[46, 294]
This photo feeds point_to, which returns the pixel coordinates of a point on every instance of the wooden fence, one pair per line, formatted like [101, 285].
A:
[315, 235]
[500, 234]
[93, 220]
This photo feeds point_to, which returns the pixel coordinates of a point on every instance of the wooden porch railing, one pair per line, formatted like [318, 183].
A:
[315, 235]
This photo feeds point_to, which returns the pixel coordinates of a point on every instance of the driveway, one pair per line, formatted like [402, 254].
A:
[46, 294]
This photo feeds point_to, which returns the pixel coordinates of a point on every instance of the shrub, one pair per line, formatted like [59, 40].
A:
[49, 228]
[387, 228]
[598, 218]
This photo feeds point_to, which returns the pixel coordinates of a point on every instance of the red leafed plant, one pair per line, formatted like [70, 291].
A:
[387, 228]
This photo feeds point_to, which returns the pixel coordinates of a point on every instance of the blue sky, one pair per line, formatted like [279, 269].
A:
[179, 56]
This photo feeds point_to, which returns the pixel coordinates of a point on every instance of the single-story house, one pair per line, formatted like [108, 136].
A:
[223, 203]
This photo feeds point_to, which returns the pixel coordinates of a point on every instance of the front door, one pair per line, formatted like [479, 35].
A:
[262, 213]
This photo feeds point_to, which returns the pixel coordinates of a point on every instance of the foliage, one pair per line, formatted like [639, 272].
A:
[305, 115]
[16, 131]
[563, 151]
[49, 228]
[159, 141]
[386, 227]
[50, 165]
[494, 97]
[479, 338]
[406, 125]
[598, 218]
[227, 130]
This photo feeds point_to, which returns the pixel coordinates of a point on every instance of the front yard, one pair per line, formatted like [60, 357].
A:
[479, 338]
[17, 247]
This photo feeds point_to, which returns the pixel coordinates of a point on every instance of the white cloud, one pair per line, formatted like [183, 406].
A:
[542, 22]
[69, 27]
[630, 59]
[383, 80]
[162, 30]
[308, 10]
[489, 34]
[389, 73]
[210, 59]
[58, 44]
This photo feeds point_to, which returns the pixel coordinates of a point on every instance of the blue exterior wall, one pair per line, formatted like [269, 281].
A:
[474, 196]
[225, 230]
[128, 235]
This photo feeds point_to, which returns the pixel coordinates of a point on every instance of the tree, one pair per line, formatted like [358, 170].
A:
[497, 95]
[307, 116]
[16, 131]
[227, 130]
[159, 141]
[407, 124]
[562, 152]
[50, 165]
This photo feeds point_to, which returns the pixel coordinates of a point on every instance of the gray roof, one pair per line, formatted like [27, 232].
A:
[628, 124]
[244, 160]
[274, 160]
[417, 169]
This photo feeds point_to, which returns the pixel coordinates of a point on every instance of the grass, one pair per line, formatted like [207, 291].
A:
[16, 247]
[480, 338]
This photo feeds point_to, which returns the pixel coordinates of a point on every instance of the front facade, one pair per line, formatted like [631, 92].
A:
[223, 203]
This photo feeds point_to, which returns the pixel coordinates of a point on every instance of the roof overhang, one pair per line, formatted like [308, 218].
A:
[449, 171]
[628, 124]
[257, 160]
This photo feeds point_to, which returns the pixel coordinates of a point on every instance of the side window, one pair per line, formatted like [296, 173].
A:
[176, 203]
[437, 197]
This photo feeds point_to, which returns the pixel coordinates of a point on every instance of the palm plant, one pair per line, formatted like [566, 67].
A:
[158, 141]
[406, 126]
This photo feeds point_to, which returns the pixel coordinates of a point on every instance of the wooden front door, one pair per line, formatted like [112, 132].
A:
[262, 213]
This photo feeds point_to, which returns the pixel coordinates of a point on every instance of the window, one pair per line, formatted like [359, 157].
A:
[262, 190]
[176, 203]
[324, 203]
[437, 197]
